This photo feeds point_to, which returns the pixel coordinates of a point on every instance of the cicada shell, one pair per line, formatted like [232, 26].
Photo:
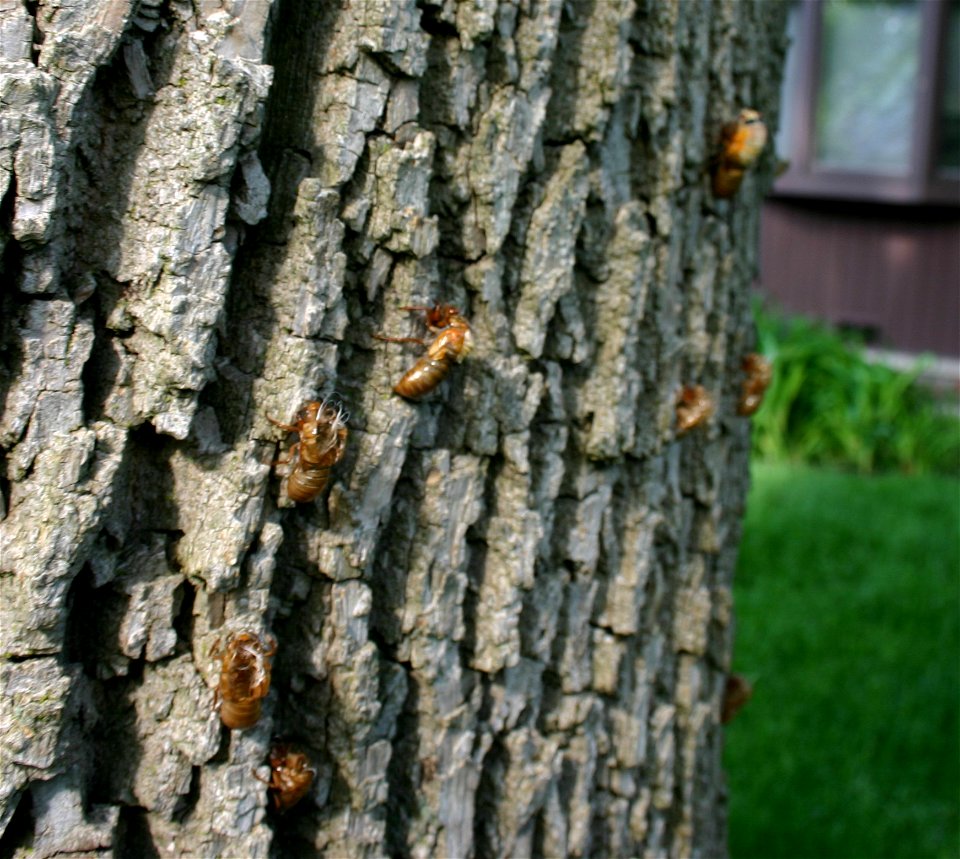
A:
[694, 407]
[244, 677]
[290, 776]
[737, 691]
[322, 428]
[741, 143]
[452, 342]
[759, 374]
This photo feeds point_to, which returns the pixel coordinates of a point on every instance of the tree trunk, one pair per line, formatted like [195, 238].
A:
[505, 627]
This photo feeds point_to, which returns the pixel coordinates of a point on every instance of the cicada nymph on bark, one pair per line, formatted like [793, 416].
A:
[741, 143]
[290, 776]
[736, 692]
[759, 375]
[244, 677]
[694, 407]
[452, 342]
[322, 428]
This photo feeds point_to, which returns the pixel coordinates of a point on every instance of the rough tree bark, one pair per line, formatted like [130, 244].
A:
[505, 628]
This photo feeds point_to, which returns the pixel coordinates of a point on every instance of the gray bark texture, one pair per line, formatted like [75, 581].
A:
[504, 628]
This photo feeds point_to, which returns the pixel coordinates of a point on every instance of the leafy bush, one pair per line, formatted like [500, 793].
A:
[827, 404]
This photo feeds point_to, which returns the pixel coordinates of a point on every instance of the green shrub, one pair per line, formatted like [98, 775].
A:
[828, 405]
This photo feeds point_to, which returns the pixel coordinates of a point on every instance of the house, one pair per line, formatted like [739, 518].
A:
[863, 227]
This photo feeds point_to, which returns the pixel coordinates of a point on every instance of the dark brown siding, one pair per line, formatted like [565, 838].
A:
[891, 270]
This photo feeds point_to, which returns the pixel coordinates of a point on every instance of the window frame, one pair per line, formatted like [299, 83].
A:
[924, 183]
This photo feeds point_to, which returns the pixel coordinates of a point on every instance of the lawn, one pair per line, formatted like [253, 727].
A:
[848, 605]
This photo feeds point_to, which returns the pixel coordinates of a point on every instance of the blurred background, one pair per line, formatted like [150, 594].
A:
[848, 585]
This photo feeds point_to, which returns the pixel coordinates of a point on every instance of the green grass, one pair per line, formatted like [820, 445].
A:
[848, 605]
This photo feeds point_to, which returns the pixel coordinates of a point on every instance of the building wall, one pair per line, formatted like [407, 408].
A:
[892, 271]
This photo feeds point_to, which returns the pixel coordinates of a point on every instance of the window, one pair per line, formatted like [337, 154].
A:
[871, 101]
[948, 151]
